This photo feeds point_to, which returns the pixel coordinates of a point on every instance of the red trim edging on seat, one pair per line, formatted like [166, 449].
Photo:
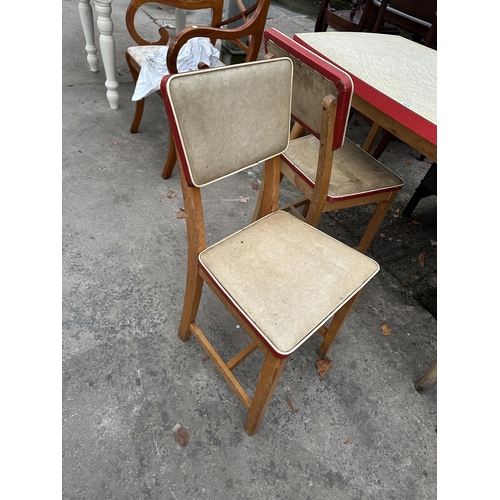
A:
[248, 321]
[329, 199]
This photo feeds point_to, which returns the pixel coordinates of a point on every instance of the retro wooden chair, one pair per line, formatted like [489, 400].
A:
[418, 18]
[280, 278]
[326, 167]
[360, 17]
[247, 37]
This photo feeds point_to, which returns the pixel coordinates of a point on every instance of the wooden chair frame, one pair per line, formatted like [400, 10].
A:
[274, 362]
[132, 9]
[331, 136]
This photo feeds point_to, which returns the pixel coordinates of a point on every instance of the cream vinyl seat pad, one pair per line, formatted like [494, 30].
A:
[140, 52]
[354, 171]
[286, 277]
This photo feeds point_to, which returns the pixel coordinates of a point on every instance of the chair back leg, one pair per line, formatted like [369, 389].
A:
[171, 159]
[375, 221]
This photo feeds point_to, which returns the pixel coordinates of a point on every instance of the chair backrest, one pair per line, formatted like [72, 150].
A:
[361, 17]
[417, 17]
[227, 119]
[247, 37]
[217, 7]
[421, 11]
[313, 79]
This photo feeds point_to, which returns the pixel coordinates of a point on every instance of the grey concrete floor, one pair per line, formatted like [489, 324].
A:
[362, 431]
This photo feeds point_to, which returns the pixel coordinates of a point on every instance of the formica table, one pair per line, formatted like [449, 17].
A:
[395, 82]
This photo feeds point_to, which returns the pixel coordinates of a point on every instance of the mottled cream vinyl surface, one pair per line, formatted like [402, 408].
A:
[401, 69]
[214, 110]
[309, 89]
[286, 276]
[140, 52]
[354, 171]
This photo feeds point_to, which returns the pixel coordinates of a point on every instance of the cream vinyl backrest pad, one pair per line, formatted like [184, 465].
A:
[230, 118]
[310, 86]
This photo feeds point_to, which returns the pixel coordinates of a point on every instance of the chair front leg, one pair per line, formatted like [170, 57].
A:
[139, 110]
[194, 287]
[171, 159]
[139, 105]
[268, 379]
[196, 243]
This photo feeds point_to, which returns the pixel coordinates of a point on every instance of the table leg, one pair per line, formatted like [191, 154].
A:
[427, 187]
[372, 135]
[180, 20]
[87, 20]
[417, 142]
[107, 44]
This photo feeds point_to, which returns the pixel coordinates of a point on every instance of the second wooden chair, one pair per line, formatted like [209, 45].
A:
[327, 168]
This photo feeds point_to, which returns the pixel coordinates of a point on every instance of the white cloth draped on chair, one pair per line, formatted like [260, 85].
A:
[152, 59]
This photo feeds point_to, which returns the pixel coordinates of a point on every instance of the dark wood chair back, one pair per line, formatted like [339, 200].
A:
[361, 17]
[416, 17]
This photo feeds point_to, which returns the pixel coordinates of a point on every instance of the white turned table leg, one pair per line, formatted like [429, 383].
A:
[107, 44]
[180, 20]
[87, 20]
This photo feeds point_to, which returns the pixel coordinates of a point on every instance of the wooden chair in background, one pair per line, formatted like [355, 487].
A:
[417, 18]
[326, 167]
[360, 17]
[276, 275]
[135, 55]
[247, 37]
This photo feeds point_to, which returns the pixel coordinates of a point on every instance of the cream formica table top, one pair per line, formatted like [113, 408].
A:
[392, 73]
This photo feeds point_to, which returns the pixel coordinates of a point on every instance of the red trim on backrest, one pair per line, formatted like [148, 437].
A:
[174, 130]
[339, 77]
